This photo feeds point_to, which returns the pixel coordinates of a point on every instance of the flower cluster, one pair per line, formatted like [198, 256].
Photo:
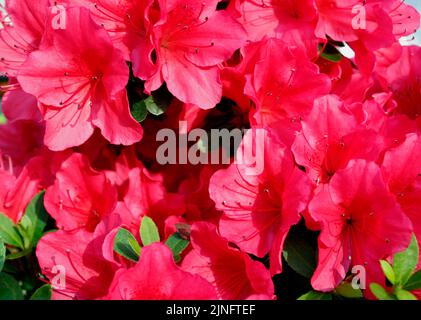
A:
[89, 84]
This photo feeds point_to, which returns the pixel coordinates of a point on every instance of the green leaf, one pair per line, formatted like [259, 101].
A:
[299, 255]
[414, 283]
[139, 111]
[346, 290]
[388, 271]
[34, 221]
[154, 106]
[9, 232]
[177, 245]
[3, 118]
[18, 255]
[404, 295]
[330, 53]
[405, 262]
[148, 231]
[10, 267]
[314, 295]
[24, 228]
[126, 245]
[9, 288]
[334, 57]
[42, 293]
[380, 292]
[2, 254]
[29, 282]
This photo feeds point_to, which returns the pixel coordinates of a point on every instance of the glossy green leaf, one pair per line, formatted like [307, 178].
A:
[177, 245]
[126, 245]
[153, 107]
[18, 255]
[42, 293]
[24, 228]
[405, 262]
[139, 111]
[346, 290]
[299, 255]
[404, 295]
[29, 282]
[414, 283]
[9, 268]
[158, 102]
[334, 57]
[330, 53]
[2, 254]
[9, 232]
[380, 292]
[3, 118]
[314, 295]
[34, 221]
[388, 271]
[9, 288]
[148, 231]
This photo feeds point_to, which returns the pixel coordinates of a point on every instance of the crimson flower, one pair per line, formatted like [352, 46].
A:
[361, 223]
[156, 276]
[234, 274]
[80, 84]
[191, 39]
[259, 208]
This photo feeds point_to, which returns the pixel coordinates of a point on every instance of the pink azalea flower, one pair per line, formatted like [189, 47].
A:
[405, 18]
[128, 23]
[80, 84]
[19, 105]
[195, 191]
[156, 276]
[347, 82]
[335, 141]
[331, 137]
[283, 82]
[191, 39]
[276, 18]
[361, 223]
[259, 209]
[23, 167]
[402, 78]
[338, 19]
[143, 192]
[74, 198]
[402, 170]
[22, 34]
[234, 274]
[77, 258]
[363, 24]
